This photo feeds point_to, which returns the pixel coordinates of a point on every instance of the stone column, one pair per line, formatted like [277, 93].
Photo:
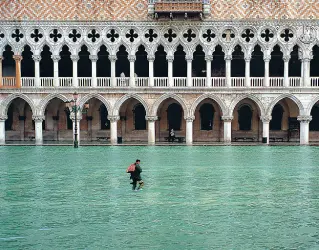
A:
[228, 59]
[209, 59]
[266, 120]
[78, 120]
[170, 59]
[18, 60]
[94, 59]
[113, 59]
[75, 59]
[189, 59]
[304, 128]
[247, 71]
[37, 59]
[151, 60]
[113, 122]
[286, 71]
[3, 119]
[306, 72]
[189, 130]
[56, 59]
[1, 84]
[151, 129]
[227, 128]
[38, 120]
[132, 59]
[21, 126]
[302, 76]
[266, 77]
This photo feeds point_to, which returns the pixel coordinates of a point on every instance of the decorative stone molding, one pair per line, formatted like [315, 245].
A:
[75, 58]
[151, 58]
[227, 118]
[3, 117]
[189, 57]
[189, 118]
[286, 58]
[112, 58]
[131, 58]
[304, 118]
[170, 58]
[113, 118]
[38, 118]
[209, 57]
[36, 58]
[228, 57]
[266, 118]
[56, 58]
[17, 58]
[151, 118]
[93, 58]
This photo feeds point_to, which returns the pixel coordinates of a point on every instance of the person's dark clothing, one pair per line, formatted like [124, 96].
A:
[136, 175]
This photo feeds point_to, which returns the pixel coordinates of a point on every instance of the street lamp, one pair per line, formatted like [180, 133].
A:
[74, 108]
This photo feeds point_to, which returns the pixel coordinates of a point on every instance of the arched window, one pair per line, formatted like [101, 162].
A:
[105, 123]
[9, 121]
[69, 122]
[206, 116]
[276, 120]
[244, 117]
[314, 124]
[139, 117]
[174, 116]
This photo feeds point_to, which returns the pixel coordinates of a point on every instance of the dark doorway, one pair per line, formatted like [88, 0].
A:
[46, 63]
[9, 121]
[160, 63]
[8, 64]
[314, 124]
[174, 116]
[103, 64]
[206, 116]
[294, 63]
[179, 64]
[238, 63]
[257, 65]
[27, 63]
[314, 64]
[69, 123]
[122, 63]
[276, 120]
[65, 63]
[141, 63]
[199, 63]
[218, 63]
[84, 63]
[139, 117]
[105, 123]
[276, 64]
[244, 117]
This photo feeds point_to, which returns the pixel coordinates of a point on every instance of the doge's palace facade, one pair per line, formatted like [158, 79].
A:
[232, 71]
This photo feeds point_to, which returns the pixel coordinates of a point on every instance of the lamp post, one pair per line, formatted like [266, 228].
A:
[75, 108]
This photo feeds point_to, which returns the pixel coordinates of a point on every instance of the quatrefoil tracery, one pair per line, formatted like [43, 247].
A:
[151, 35]
[112, 36]
[248, 35]
[267, 35]
[55, 35]
[228, 35]
[286, 35]
[36, 35]
[17, 35]
[93, 35]
[189, 35]
[74, 35]
[209, 35]
[131, 35]
[170, 35]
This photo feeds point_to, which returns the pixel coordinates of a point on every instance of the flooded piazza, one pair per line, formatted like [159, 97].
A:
[194, 198]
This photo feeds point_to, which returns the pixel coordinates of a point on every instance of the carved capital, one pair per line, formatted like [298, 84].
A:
[228, 57]
[1, 58]
[151, 58]
[170, 58]
[93, 58]
[189, 57]
[78, 116]
[151, 118]
[113, 118]
[227, 118]
[189, 118]
[112, 58]
[17, 58]
[74, 58]
[38, 118]
[3, 117]
[247, 58]
[304, 118]
[266, 118]
[286, 58]
[36, 58]
[56, 58]
[131, 58]
[209, 57]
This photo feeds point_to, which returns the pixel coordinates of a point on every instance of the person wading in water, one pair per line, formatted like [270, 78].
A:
[136, 175]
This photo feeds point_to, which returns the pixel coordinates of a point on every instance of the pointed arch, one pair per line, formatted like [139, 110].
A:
[87, 97]
[201, 98]
[283, 96]
[119, 103]
[311, 105]
[247, 96]
[44, 102]
[8, 100]
[162, 98]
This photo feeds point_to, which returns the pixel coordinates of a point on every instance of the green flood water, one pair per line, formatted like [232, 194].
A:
[195, 198]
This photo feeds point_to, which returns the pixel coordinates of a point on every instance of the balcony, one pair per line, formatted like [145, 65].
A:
[159, 82]
[179, 8]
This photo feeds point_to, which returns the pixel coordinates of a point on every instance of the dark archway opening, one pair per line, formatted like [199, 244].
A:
[199, 63]
[84, 63]
[8, 64]
[141, 63]
[65, 63]
[103, 64]
[179, 64]
[206, 116]
[160, 63]
[9, 121]
[314, 124]
[238, 63]
[139, 117]
[69, 123]
[218, 63]
[244, 117]
[105, 123]
[122, 63]
[276, 120]
[27, 63]
[174, 116]
[294, 63]
[276, 64]
[257, 65]
[46, 63]
[314, 65]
